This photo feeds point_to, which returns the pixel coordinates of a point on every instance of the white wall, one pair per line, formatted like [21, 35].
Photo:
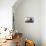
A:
[6, 13]
[43, 22]
[29, 8]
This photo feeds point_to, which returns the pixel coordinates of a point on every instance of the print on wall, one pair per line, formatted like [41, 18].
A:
[29, 20]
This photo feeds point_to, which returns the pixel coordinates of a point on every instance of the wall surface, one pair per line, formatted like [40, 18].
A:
[43, 22]
[29, 8]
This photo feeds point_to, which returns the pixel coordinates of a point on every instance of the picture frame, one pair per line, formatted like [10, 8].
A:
[29, 20]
